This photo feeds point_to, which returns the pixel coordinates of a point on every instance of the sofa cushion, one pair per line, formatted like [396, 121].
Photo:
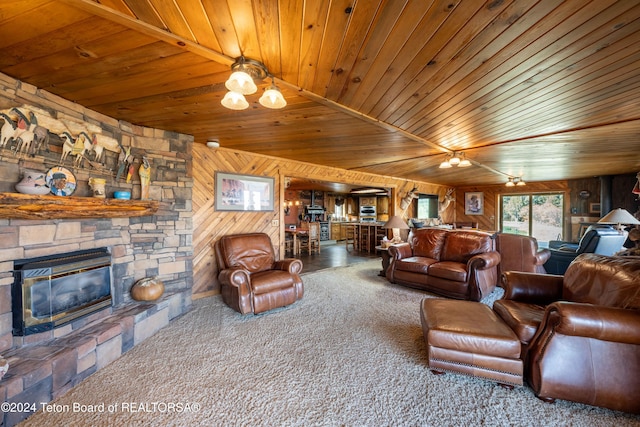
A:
[524, 319]
[270, 280]
[462, 245]
[415, 264]
[603, 280]
[252, 252]
[428, 242]
[449, 270]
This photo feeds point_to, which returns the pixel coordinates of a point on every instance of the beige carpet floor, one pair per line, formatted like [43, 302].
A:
[350, 353]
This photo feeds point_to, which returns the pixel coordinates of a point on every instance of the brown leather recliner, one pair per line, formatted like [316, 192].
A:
[579, 333]
[520, 253]
[251, 279]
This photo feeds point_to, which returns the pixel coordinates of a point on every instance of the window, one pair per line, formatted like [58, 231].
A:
[427, 206]
[536, 215]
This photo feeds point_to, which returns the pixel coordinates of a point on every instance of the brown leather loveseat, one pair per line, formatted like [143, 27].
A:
[579, 333]
[251, 279]
[458, 264]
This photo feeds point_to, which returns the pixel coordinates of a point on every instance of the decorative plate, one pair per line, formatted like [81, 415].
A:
[61, 181]
[584, 194]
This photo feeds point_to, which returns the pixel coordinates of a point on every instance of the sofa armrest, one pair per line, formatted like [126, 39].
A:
[291, 265]
[532, 288]
[594, 321]
[236, 277]
[542, 256]
[399, 251]
[484, 261]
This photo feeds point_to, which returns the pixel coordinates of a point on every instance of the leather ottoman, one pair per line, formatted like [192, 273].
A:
[467, 337]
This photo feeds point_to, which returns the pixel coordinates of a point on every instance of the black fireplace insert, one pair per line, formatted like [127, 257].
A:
[51, 291]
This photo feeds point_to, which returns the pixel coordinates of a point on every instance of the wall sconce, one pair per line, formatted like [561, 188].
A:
[241, 83]
[455, 159]
[287, 206]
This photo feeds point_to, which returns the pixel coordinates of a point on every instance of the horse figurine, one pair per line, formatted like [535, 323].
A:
[8, 130]
[75, 147]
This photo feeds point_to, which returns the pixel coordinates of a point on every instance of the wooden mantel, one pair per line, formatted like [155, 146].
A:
[26, 206]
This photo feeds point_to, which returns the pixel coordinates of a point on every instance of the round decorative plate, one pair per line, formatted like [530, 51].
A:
[584, 194]
[61, 181]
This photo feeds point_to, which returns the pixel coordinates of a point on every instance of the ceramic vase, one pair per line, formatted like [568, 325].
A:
[149, 289]
[98, 187]
[33, 182]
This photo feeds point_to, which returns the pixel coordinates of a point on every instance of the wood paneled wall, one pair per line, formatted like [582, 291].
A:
[209, 225]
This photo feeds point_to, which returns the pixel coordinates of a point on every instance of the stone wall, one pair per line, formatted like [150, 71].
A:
[155, 245]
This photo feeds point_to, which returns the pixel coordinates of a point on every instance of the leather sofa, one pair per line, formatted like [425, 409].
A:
[459, 264]
[598, 239]
[251, 279]
[520, 253]
[579, 333]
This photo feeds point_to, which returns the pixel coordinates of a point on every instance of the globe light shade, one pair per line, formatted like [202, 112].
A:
[272, 98]
[234, 101]
[241, 82]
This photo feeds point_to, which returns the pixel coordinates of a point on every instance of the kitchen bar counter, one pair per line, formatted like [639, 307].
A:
[367, 234]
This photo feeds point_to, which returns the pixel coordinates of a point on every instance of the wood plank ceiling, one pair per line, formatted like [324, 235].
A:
[546, 90]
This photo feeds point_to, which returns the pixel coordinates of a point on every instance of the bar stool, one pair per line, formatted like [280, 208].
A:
[350, 236]
[381, 233]
[364, 241]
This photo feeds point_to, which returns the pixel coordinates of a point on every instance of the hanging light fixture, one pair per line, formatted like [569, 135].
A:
[519, 181]
[510, 183]
[242, 82]
[455, 159]
[272, 97]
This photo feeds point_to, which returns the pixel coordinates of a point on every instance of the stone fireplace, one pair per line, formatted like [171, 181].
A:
[52, 291]
[50, 355]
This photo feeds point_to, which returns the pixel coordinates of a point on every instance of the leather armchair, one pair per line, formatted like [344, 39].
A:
[251, 279]
[520, 253]
[598, 239]
[579, 333]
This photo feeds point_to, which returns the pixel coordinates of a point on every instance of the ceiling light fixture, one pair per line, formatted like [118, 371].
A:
[272, 97]
[242, 82]
[510, 183]
[455, 159]
[519, 181]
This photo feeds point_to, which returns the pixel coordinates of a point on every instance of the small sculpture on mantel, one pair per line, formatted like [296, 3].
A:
[145, 178]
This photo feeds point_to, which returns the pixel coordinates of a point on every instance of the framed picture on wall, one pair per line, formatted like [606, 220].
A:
[235, 192]
[474, 203]
[594, 208]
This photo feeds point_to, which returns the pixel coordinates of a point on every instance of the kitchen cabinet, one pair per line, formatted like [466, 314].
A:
[383, 205]
[336, 231]
[368, 201]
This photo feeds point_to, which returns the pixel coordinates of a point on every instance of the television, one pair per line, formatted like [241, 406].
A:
[427, 206]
